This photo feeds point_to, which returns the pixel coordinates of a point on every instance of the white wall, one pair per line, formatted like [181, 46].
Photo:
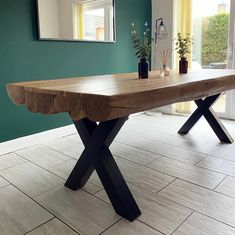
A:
[231, 61]
[66, 18]
[163, 9]
[49, 18]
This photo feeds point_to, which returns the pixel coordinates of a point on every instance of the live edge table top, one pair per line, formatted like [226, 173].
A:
[106, 97]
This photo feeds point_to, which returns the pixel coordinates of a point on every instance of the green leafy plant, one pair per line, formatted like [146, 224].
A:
[183, 45]
[215, 38]
[142, 45]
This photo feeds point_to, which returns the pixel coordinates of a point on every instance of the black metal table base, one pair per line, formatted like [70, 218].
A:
[204, 109]
[97, 138]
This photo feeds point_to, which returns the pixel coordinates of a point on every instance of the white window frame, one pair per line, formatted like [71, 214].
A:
[230, 95]
[108, 17]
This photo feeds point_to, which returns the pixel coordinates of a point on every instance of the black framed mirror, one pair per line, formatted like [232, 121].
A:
[77, 20]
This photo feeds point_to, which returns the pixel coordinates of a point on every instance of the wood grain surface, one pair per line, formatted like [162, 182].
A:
[106, 97]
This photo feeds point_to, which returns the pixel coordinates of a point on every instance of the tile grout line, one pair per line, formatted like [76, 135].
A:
[162, 155]
[151, 226]
[219, 221]
[195, 151]
[92, 194]
[48, 170]
[231, 197]
[98, 191]
[39, 226]
[18, 150]
[121, 157]
[195, 164]
[209, 155]
[199, 211]
[45, 146]
[216, 171]
[56, 186]
[129, 182]
[185, 179]
[214, 189]
[177, 146]
[29, 161]
[146, 165]
[166, 186]
[182, 223]
[110, 226]
[40, 205]
[6, 186]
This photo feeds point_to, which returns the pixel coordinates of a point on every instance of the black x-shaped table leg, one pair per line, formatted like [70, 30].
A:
[204, 109]
[97, 138]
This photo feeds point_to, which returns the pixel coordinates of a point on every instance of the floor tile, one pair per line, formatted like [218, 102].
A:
[132, 139]
[202, 200]
[53, 227]
[219, 165]
[158, 212]
[198, 224]
[74, 137]
[10, 160]
[214, 148]
[66, 146]
[3, 182]
[133, 154]
[80, 210]
[43, 156]
[136, 137]
[124, 227]
[194, 174]
[197, 158]
[142, 176]
[164, 128]
[18, 213]
[176, 153]
[31, 179]
[227, 187]
[63, 170]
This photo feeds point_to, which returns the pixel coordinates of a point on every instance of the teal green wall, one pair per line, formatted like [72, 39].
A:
[23, 57]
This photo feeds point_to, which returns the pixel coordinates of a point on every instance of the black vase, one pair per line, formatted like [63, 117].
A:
[183, 65]
[143, 68]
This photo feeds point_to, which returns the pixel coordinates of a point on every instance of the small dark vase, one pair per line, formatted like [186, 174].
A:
[143, 68]
[183, 65]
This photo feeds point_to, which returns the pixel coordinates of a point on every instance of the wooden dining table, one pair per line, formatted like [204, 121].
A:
[100, 105]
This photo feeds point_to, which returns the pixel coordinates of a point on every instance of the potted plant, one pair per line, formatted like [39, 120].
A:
[183, 47]
[142, 46]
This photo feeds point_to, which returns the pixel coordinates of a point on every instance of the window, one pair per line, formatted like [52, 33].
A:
[93, 20]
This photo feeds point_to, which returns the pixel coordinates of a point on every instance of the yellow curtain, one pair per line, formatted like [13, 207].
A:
[184, 26]
[79, 13]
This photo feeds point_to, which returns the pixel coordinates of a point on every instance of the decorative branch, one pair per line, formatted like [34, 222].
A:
[142, 45]
[183, 45]
[164, 54]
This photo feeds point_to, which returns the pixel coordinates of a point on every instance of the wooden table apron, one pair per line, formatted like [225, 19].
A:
[100, 105]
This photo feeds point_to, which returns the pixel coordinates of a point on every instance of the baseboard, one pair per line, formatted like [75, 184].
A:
[30, 140]
[165, 109]
[27, 141]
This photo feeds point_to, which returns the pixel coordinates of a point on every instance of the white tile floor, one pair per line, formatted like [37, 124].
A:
[184, 185]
